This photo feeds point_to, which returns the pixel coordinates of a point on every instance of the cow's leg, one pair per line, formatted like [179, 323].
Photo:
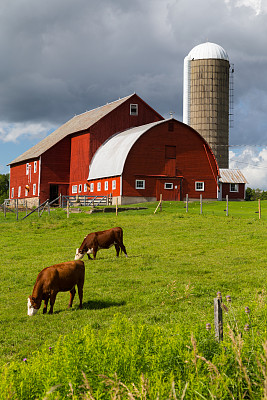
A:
[123, 248]
[53, 296]
[117, 247]
[89, 258]
[80, 292]
[46, 299]
[72, 294]
[95, 251]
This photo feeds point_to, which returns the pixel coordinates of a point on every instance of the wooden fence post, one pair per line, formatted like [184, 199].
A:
[5, 210]
[116, 205]
[259, 208]
[68, 208]
[201, 204]
[186, 202]
[227, 205]
[17, 208]
[218, 319]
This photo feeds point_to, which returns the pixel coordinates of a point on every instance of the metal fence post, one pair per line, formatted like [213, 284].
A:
[186, 202]
[227, 205]
[201, 204]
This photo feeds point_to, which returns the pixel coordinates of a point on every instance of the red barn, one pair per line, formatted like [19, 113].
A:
[60, 162]
[124, 149]
[165, 157]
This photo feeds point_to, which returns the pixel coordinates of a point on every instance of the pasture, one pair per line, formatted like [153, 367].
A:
[161, 295]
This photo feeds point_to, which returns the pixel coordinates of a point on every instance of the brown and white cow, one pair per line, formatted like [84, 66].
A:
[57, 278]
[101, 240]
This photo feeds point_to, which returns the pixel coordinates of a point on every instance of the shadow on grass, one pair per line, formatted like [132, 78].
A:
[99, 304]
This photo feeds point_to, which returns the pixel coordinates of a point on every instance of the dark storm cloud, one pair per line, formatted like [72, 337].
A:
[63, 57]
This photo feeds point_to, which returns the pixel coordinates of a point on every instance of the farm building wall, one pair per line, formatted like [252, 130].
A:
[239, 194]
[55, 171]
[170, 153]
[85, 144]
[24, 182]
[120, 120]
[170, 158]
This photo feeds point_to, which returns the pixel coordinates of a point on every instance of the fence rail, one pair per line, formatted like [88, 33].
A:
[85, 200]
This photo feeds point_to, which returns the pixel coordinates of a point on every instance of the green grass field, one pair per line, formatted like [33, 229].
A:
[177, 263]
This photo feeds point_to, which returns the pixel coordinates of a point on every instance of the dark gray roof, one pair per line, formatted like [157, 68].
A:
[76, 124]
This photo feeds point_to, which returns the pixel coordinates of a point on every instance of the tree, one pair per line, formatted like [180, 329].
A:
[255, 194]
[4, 187]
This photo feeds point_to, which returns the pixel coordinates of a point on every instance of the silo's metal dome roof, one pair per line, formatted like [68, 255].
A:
[208, 50]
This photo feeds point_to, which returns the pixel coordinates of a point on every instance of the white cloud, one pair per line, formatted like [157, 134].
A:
[257, 5]
[252, 161]
[15, 131]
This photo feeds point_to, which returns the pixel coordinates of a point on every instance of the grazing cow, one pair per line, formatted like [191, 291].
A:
[101, 240]
[57, 278]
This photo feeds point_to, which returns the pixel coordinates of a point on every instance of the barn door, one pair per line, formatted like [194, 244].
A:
[53, 192]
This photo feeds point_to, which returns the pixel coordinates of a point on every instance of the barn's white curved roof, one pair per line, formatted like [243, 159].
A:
[208, 50]
[110, 158]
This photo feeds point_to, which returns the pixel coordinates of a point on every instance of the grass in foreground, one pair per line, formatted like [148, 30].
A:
[177, 263]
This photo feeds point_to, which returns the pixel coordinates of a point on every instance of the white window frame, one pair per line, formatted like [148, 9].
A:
[234, 189]
[34, 189]
[98, 186]
[199, 189]
[85, 187]
[27, 168]
[91, 186]
[74, 189]
[114, 184]
[140, 184]
[19, 191]
[166, 186]
[133, 109]
[80, 188]
[26, 192]
[35, 167]
[12, 193]
[106, 185]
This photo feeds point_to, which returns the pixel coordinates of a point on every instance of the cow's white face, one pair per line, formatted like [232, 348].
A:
[31, 309]
[78, 255]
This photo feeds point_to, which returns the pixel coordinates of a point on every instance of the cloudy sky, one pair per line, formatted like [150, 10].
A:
[63, 57]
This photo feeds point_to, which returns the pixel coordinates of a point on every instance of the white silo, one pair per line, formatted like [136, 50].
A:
[206, 97]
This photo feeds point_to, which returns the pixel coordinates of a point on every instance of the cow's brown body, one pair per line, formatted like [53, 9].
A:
[101, 240]
[58, 278]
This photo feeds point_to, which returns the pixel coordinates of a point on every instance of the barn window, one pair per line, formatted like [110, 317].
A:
[12, 193]
[91, 187]
[35, 167]
[199, 186]
[113, 185]
[80, 187]
[27, 168]
[139, 184]
[85, 187]
[98, 186]
[170, 152]
[233, 187]
[74, 189]
[19, 191]
[168, 185]
[133, 109]
[106, 185]
[26, 192]
[34, 189]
